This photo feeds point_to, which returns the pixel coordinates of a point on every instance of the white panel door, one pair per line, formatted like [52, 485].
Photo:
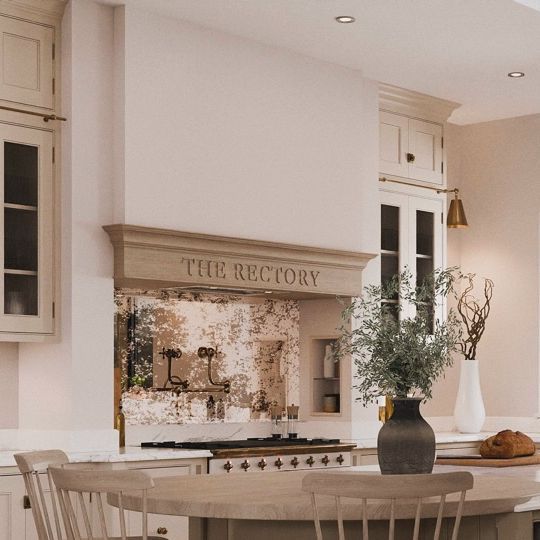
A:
[26, 230]
[393, 144]
[26, 53]
[425, 144]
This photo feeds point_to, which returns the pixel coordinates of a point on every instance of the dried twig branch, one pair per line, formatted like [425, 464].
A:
[473, 315]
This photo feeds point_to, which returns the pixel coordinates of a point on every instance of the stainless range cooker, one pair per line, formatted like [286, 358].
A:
[268, 454]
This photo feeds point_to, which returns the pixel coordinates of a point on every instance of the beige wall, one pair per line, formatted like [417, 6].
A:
[228, 136]
[9, 382]
[500, 181]
[445, 390]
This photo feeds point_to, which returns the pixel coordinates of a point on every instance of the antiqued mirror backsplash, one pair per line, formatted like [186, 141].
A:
[187, 358]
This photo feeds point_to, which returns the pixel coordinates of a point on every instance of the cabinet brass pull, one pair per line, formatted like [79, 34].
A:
[410, 157]
[162, 530]
[26, 502]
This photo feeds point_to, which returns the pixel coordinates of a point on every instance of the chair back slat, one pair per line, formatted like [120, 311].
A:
[94, 484]
[101, 514]
[458, 515]
[86, 518]
[394, 488]
[392, 524]
[31, 464]
[54, 506]
[122, 516]
[365, 525]
[72, 524]
[417, 516]
[341, 532]
[437, 533]
[145, 515]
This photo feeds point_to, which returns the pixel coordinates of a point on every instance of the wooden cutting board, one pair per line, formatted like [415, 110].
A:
[479, 461]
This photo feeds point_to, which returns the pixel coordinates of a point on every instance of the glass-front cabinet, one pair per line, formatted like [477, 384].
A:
[412, 236]
[26, 230]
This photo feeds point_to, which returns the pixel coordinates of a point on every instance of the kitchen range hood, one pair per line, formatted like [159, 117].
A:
[153, 258]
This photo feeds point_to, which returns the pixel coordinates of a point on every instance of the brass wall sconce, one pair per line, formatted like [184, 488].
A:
[456, 218]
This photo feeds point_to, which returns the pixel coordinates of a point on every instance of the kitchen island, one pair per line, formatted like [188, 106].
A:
[502, 505]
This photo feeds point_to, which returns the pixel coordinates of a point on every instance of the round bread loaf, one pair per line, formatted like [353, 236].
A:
[507, 444]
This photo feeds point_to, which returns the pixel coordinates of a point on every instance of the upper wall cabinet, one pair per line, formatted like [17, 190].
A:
[411, 148]
[411, 135]
[26, 230]
[27, 56]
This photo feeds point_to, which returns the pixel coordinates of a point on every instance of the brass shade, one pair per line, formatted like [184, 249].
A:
[456, 215]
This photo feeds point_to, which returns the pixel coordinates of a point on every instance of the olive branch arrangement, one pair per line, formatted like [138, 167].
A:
[401, 356]
[473, 314]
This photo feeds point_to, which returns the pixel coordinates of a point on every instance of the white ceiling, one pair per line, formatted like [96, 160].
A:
[459, 50]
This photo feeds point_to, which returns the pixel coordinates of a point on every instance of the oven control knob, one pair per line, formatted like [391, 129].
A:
[262, 464]
[325, 460]
[310, 461]
[295, 462]
[228, 466]
[245, 465]
[340, 459]
[278, 463]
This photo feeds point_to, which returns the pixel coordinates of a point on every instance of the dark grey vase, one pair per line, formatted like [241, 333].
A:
[406, 442]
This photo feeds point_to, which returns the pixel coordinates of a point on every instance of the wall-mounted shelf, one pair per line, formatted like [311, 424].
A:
[326, 390]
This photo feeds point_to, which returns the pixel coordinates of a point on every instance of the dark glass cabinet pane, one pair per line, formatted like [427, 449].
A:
[20, 239]
[20, 174]
[389, 228]
[424, 232]
[20, 294]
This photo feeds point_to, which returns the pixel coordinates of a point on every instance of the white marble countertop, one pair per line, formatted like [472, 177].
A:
[447, 437]
[130, 453]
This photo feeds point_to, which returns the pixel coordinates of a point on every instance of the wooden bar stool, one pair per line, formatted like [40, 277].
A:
[73, 484]
[42, 500]
[397, 489]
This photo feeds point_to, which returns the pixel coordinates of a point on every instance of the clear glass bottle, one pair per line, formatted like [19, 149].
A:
[275, 412]
[292, 421]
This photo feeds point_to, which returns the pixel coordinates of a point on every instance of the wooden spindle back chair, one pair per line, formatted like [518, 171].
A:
[34, 467]
[393, 488]
[73, 484]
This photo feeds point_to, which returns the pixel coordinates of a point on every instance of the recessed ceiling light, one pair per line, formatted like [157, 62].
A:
[345, 19]
[516, 74]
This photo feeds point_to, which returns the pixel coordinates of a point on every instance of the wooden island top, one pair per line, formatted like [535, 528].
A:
[273, 503]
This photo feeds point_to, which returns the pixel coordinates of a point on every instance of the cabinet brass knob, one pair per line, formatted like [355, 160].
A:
[262, 464]
[228, 466]
[410, 157]
[278, 463]
[340, 459]
[162, 530]
[295, 462]
[325, 460]
[245, 465]
[310, 461]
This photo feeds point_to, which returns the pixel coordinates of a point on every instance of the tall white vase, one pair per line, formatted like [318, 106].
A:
[469, 413]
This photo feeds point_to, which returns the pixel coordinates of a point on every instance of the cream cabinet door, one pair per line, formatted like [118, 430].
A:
[425, 144]
[410, 148]
[12, 513]
[27, 55]
[393, 144]
[26, 230]
[412, 237]
[170, 527]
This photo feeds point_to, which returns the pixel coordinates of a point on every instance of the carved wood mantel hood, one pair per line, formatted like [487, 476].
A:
[158, 258]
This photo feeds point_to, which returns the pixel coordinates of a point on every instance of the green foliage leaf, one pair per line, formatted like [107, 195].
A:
[401, 356]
